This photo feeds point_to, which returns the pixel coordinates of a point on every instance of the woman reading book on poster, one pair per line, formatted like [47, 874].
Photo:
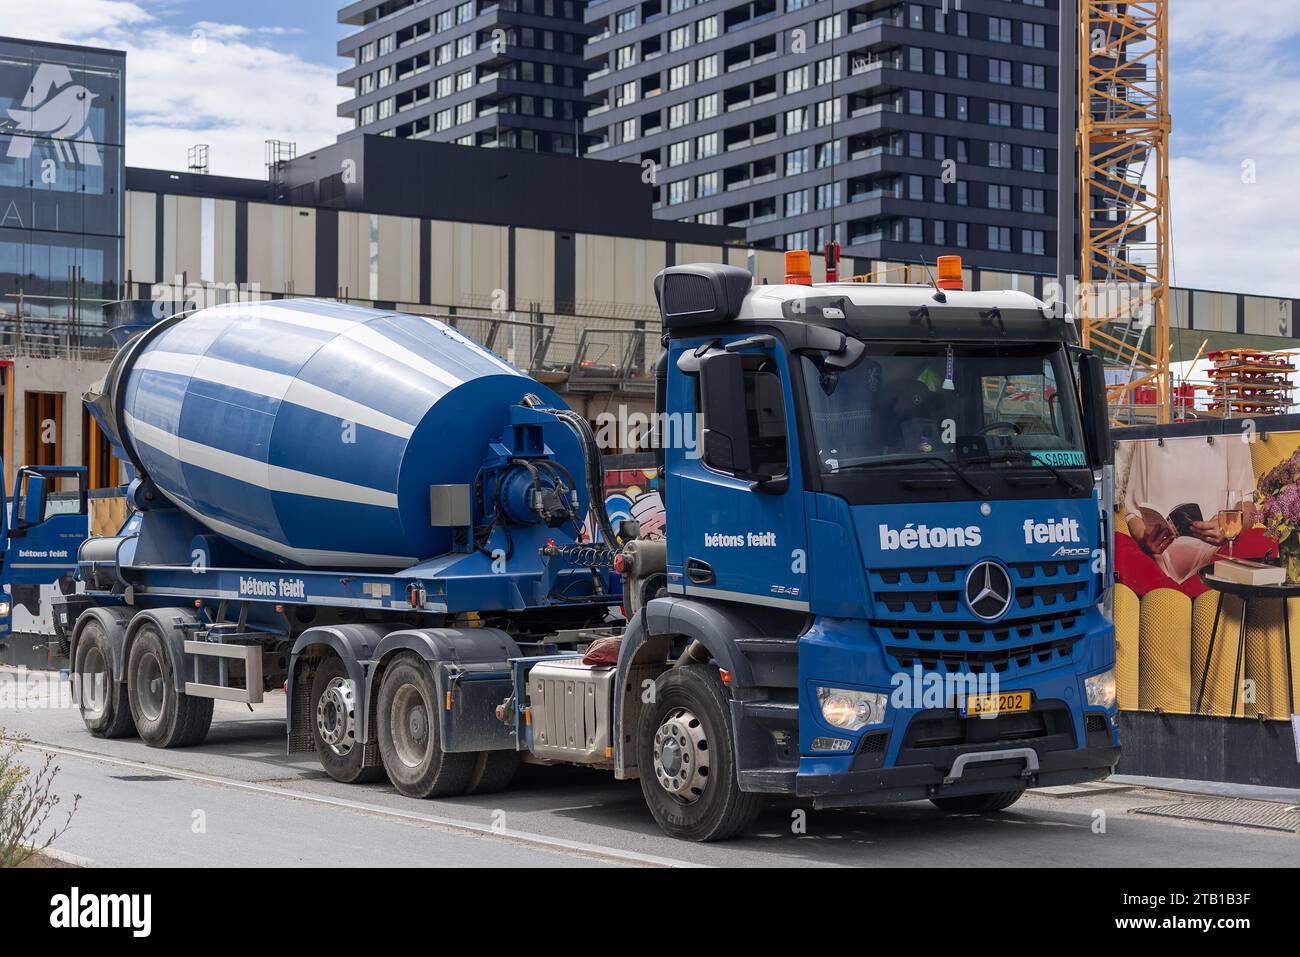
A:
[1174, 500]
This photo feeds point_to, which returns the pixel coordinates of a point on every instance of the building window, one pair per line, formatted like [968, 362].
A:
[963, 231]
[915, 102]
[915, 144]
[796, 121]
[940, 191]
[1033, 77]
[679, 114]
[1032, 242]
[1033, 158]
[828, 112]
[1032, 200]
[963, 66]
[706, 184]
[1033, 35]
[796, 80]
[625, 93]
[999, 196]
[1000, 72]
[963, 108]
[679, 192]
[679, 76]
[796, 203]
[627, 131]
[679, 153]
[939, 237]
[828, 70]
[999, 30]
[916, 188]
[706, 107]
[828, 195]
[625, 57]
[626, 20]
[706, 29]
[940, 63]
[1034, 117]
[963, 193]
[706, 68]
[916, 16]
[1000, 155]
[916, 59]
[679, 39]
[940, 105]
[1000, 239]
[999, 114]
[915, 230]
[828, 28]
[706, 145]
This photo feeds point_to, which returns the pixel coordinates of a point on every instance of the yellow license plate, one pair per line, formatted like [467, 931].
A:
[1007, 701]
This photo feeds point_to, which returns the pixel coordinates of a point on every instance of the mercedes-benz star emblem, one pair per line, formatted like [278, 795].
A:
[988, 590]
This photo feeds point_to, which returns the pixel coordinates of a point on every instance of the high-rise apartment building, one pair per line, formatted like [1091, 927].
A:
[906, 130]
[498, 73]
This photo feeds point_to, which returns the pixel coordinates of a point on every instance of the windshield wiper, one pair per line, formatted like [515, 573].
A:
[912, 459]
[1020, 455]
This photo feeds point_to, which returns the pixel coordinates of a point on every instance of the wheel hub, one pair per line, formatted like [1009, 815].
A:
[335, 716]
[410, 726]
[681, 756]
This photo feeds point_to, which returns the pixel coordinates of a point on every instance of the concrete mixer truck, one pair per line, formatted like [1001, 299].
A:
[882, 578]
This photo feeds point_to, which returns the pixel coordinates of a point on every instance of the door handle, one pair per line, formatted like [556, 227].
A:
[700, 572]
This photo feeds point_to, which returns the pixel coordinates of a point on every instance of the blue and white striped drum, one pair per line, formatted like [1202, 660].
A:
[311, 431]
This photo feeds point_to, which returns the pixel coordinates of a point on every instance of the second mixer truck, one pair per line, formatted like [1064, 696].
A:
[882, 577]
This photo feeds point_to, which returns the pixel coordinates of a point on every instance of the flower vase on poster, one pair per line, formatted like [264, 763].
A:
[1280, 511]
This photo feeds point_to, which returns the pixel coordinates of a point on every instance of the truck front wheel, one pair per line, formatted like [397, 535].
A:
[105, 708]
[408, 719]
[686, 758]
[164, 717]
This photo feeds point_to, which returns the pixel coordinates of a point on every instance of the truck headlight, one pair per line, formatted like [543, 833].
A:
[1100, 689]
[4, 607]
[851, 710]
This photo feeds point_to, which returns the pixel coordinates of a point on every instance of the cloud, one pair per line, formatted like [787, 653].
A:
[221, 84]
[1233, 196]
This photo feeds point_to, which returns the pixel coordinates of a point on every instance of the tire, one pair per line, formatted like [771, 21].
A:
[977, 803]
[105, 711]
[493, 771]
[341, 755]
[692, 792]
[164, 717]
[408, 717]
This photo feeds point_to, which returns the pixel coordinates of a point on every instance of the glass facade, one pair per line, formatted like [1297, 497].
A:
[61, 184]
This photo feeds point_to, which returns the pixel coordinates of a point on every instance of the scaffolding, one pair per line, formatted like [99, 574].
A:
[197, 158]
[1123, 146]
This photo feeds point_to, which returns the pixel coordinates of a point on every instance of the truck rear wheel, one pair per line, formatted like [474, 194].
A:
[101, 698]
[165, 717]
[334, 725]
[977, 803]
[686, 757]
[408, 719]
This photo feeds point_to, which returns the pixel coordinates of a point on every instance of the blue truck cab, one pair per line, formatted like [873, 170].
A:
[890, 539]
[41, 527]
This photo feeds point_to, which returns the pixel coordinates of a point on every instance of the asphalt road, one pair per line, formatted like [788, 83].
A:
[240, 800]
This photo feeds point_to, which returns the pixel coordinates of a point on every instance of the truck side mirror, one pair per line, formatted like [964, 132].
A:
[722, 401]
[1096, 413]
[33, 498]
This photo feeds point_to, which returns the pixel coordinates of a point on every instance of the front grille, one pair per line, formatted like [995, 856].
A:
[874, 743]
[1040, 587]
[969, 647]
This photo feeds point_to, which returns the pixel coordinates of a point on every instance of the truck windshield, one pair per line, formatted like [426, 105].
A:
[1000, 405]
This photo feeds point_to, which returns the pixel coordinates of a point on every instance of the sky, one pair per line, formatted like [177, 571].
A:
[234, 73]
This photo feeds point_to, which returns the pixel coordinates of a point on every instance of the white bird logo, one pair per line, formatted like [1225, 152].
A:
[57, 109]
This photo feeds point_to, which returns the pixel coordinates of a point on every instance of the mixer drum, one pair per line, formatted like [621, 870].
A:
[311, 431]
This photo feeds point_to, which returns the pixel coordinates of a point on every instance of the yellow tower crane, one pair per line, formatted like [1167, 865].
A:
[1123, 149]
